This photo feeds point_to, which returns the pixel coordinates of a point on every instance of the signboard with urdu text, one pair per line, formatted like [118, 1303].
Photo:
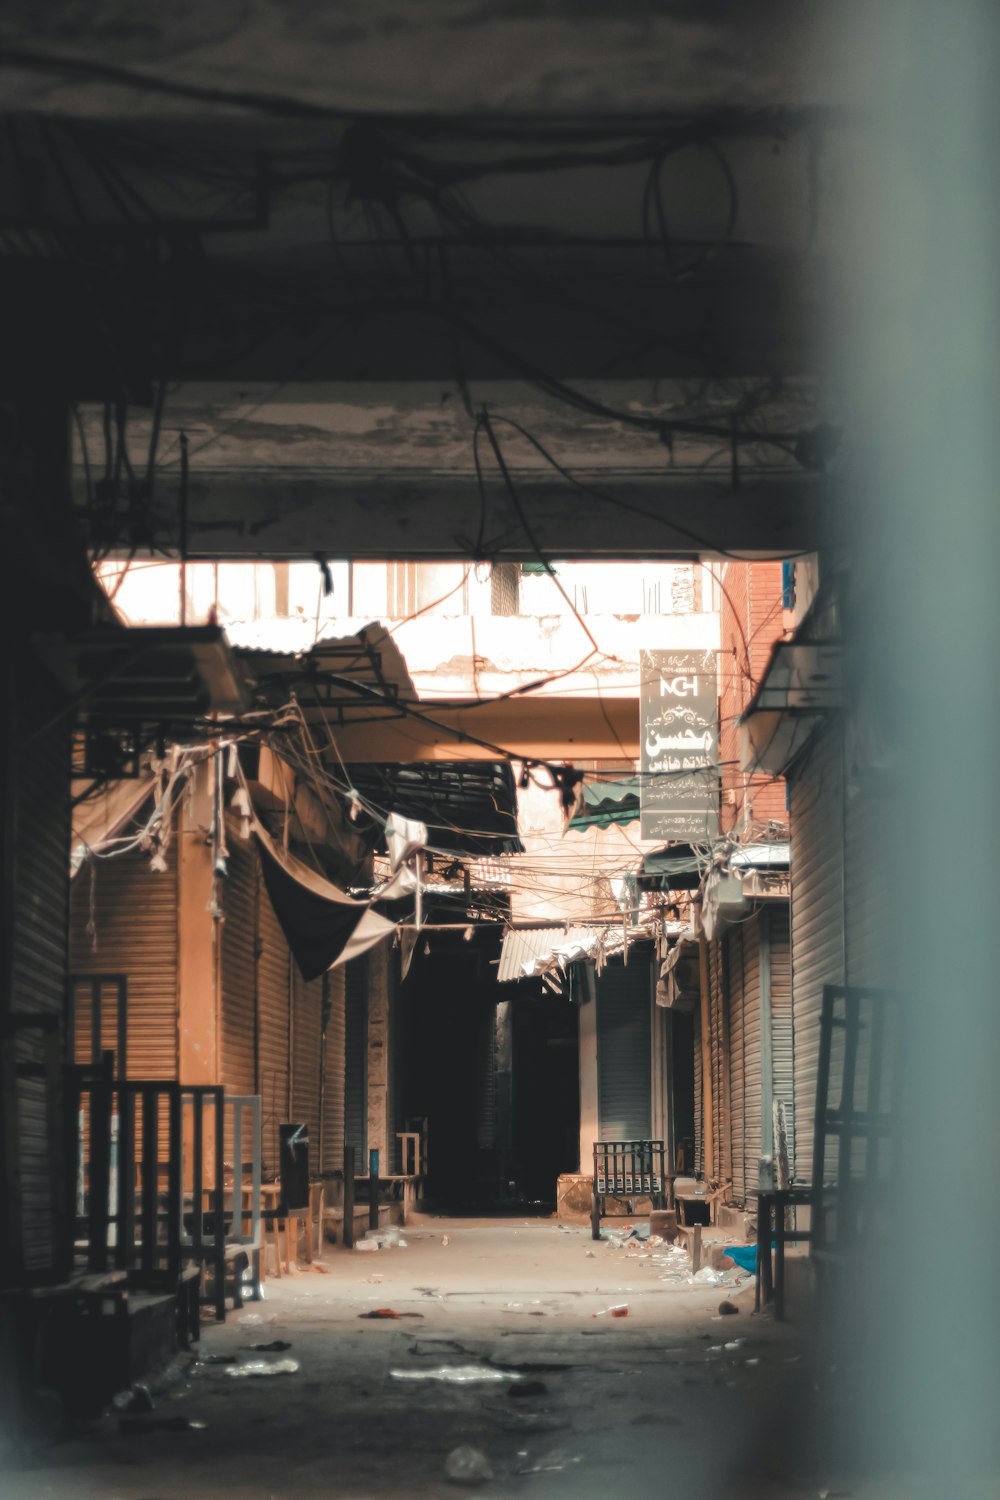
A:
[679, 708]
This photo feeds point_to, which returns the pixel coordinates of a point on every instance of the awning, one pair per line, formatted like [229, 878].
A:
[323, 926]
[159, 676]
[802, 684]
[530, 952]
[607, 802]
[467, 807]
[102, 816]
[676, 867]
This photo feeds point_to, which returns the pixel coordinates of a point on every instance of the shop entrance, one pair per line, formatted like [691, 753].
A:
[545, 1135]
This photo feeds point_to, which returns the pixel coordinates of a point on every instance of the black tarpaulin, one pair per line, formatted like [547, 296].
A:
[323, 926]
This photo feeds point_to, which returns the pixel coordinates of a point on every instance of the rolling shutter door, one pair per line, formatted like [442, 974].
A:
[307, 1025]
[273, 1029]
[782, 1057]
[41, 901]
[721, 1166]
[737, 1060]
[817, 870]
[332, 1156]
[752, 1075]
[356, 1060]
[699, 1118]
[240, 893]
[394, 1106]
[624, 1059]
[135, 916]
[868, 924]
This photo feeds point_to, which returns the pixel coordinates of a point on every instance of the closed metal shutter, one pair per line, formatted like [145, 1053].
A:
[721, 1167]
[356, 1060]
[273, 1030]
[239, 969]
[334, 1048]
[699, 1097]
[103, 995]
[782, 1054]
[817, 871]
[866, 891]
[307, 1028]
[135, 917]
[41, 904]
[624, 1058]
[394, 1042]
[737, 1059]
[752, 1072]
[486, 1128]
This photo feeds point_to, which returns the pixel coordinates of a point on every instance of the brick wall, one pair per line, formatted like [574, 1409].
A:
[752, 619]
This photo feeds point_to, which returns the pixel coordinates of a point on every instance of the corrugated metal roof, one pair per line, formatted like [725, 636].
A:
[528, 951]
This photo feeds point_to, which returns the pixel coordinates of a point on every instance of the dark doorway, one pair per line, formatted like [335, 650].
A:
[448, 1005]
[682, 1088]
[546, 1094]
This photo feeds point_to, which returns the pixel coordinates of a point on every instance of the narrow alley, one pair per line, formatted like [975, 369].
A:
[557, 1396]
[498, 739]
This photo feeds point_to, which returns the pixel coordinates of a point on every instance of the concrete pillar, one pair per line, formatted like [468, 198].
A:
[589, 1121]
[199, 1038]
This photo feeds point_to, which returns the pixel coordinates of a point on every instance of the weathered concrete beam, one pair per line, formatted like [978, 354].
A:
[443, 55]
[383, 470]
[434, 515]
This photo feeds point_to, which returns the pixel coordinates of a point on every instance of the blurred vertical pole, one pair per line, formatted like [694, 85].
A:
[923, 488]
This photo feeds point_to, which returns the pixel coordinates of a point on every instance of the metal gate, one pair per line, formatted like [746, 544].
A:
[624, 1052]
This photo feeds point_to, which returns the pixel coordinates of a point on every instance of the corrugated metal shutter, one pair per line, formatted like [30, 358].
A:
[817, 870]
[334, 1048]
[135, 916]
[105, 993]
[782, 1054]
[624, 1059]
[486, 1131]
[273, 1029]
[356, 1060]
[699, 1097]
[737, 1059]
[239, 969]
[752, 1075]
[307, 1025]
[866, 891]
[722, 1146]
[41, 904]
[394, 1102]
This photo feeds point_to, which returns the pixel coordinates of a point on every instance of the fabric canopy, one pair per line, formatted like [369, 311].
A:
[323, 926]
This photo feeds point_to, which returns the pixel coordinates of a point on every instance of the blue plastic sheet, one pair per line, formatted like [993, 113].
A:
[745, 1256]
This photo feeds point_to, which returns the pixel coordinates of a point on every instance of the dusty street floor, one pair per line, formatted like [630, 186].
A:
[651, 1403]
